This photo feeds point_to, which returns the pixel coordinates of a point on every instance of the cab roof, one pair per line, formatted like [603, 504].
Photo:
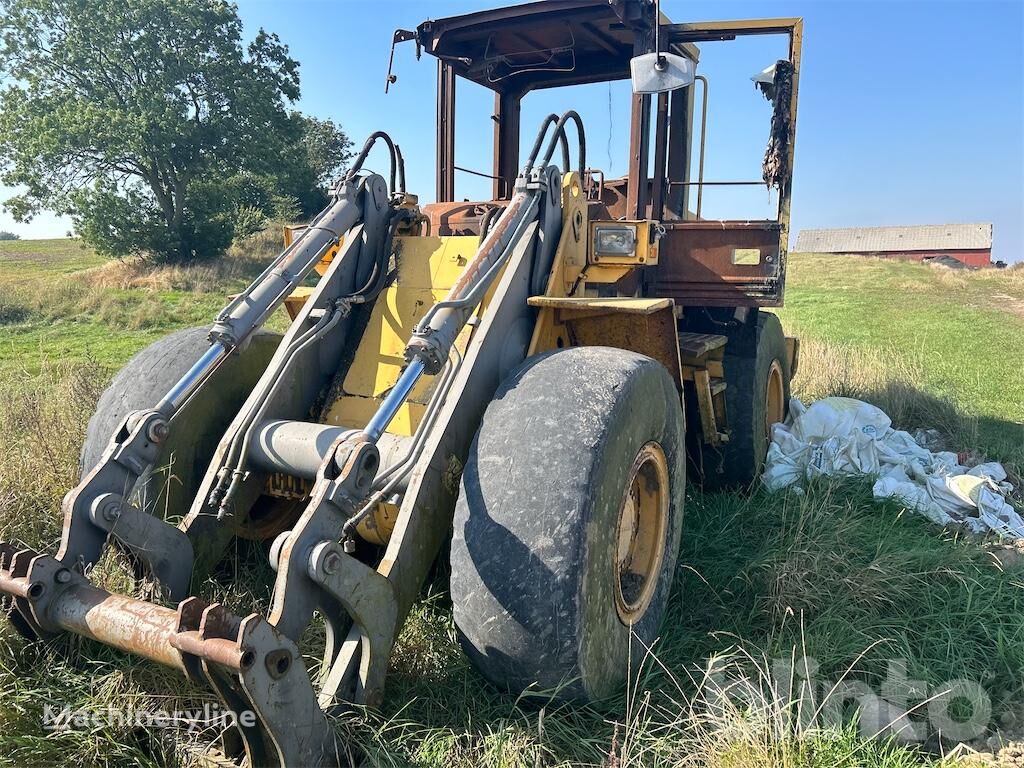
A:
[519, 48]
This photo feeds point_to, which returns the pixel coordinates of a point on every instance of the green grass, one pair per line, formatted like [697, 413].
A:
[964, 331]
[59, 301]
[762, 579]
[22, 260]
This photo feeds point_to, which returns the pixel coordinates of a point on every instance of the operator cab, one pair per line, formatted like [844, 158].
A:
[516, 50]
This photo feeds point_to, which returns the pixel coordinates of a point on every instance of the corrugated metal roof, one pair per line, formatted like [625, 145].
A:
[923, 237]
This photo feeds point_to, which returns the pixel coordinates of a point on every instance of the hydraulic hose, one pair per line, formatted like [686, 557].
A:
[238, 452]
[435, 334]
[560, 132]
[388, 480]
[397, 162]
[547, 122]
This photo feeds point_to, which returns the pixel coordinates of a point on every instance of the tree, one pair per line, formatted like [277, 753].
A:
[138, 118]
[5, 235]
[319, 157]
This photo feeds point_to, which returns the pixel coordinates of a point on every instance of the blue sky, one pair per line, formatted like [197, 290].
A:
[910, 112]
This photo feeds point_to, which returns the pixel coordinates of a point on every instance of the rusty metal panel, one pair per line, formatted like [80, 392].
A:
[698, 263]
[647, 326]
[458, 218]
[587, 306]
[638, 185]
[583, 40]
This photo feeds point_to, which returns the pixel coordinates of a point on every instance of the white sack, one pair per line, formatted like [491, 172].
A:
[843, 436]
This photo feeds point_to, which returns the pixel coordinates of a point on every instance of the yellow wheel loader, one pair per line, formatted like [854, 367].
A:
[528, 377]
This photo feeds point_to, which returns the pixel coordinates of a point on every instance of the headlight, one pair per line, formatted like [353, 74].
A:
[618, 240]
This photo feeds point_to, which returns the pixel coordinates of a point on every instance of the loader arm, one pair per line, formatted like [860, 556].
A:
[254, 663]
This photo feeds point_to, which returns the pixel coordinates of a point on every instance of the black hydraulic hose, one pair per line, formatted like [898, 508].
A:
[541, 134]
[487, 219]
[373, 286]
[573, 115]
[378, 278]
[397, 163]
[401, 169]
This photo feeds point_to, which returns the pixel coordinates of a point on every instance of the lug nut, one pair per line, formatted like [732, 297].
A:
[63, 576]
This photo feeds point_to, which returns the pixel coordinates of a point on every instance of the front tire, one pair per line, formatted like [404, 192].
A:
[167, 491]
[568, 523]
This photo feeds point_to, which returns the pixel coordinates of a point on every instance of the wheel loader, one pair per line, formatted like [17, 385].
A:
[520, 385]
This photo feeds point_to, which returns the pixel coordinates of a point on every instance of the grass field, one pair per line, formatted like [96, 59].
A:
[764, 581]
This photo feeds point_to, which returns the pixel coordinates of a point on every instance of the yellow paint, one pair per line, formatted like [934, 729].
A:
[590, 305]
[748, 256]
[427, 269]
[610, 269]
[377, 528]
[568, 267]
[292, 231]
[571, 253]
[296, 300]
[356, 410]
[574, 266]
[379, 358]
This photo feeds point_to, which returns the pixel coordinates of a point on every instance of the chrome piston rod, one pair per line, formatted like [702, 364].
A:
[399, 394]
[438, 329]
[195, 375]
[250, 309]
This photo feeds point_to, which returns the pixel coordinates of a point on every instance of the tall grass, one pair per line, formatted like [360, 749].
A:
[243, 261]
[135, 294]
[42, 425]
[891, 378]
[828, 575]
[129, 294]
[887, 377]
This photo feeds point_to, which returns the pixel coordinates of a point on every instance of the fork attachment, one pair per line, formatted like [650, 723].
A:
[257, 672]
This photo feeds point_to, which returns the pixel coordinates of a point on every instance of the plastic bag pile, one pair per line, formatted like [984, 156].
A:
[843, 436]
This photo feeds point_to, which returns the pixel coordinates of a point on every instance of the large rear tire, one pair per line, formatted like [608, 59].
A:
[756, 396]
[568, 523]
[196, 429]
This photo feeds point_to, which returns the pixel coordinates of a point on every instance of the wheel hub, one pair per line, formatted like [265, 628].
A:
[640, 538]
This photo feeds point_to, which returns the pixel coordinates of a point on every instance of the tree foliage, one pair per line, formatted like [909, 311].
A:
[150, 123]
[317, 160]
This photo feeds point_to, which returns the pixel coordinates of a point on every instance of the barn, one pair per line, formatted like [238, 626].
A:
[970, 244]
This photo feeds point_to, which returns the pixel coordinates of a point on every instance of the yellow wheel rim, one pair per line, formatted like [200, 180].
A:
[640, 537]
[774, 398]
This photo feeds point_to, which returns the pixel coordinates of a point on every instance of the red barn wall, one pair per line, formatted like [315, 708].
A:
[973, 258]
